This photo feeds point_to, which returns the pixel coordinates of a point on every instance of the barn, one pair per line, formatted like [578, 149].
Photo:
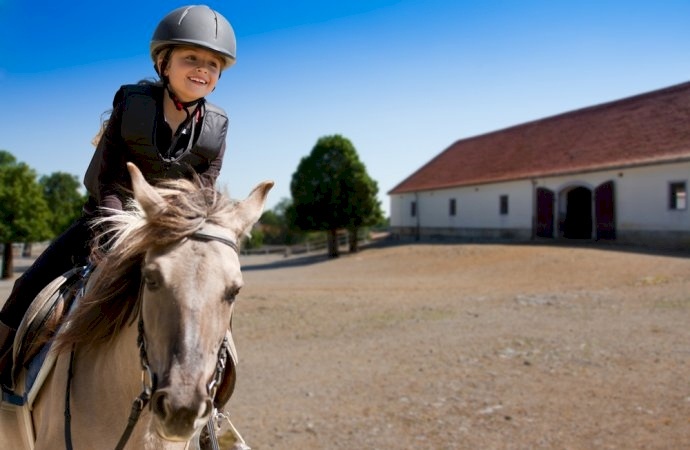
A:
[614, 171]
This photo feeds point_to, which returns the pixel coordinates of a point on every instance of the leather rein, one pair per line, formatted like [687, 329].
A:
[147, 378]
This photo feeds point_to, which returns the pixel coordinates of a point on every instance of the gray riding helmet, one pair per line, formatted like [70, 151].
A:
[196, 25]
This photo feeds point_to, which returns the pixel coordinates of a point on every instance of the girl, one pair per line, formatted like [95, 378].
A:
[166, 128]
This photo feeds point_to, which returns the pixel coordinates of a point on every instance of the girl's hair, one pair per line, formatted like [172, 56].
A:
[104, 123]
[105, 116]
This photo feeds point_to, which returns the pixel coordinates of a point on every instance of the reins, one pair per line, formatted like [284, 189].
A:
[147, 383]
[147, 377]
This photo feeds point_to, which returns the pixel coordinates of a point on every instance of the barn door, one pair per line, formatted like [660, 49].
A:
[545, 204]
[604, 211]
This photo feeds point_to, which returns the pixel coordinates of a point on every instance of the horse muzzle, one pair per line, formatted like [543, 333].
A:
[176, 420]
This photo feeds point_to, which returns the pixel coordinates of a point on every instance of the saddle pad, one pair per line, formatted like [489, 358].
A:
[36, 372]
[39, 311]
[28, 341]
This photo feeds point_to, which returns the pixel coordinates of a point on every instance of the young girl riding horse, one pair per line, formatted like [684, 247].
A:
[166, 128]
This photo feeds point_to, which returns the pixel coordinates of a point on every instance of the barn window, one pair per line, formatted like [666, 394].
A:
[413, 209]
[451, 207]
[504, 205]
[677, 196]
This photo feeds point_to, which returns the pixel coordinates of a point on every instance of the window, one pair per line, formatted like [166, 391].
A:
[504, 205]
[451, 207]
[677, 198]
[413, 209]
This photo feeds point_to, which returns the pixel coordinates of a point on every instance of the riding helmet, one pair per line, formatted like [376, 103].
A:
[196, 25]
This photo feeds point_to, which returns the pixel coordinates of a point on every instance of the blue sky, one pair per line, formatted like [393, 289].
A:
[402, 80]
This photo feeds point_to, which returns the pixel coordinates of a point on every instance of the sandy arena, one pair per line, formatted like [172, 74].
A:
[464, 346]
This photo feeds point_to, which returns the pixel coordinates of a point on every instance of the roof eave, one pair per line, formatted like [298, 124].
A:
[555, 173]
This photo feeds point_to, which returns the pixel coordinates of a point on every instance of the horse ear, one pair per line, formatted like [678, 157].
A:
[150, 200]
[250, 208]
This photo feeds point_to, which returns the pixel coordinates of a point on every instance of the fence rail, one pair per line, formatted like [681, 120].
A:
[312, 245]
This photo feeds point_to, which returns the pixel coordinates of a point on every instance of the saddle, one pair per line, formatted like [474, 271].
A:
[32, 340]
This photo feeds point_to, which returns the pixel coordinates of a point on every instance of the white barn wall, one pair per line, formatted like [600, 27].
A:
[400, 210]
[479, 207]
[645, 203]
[641, 205]
[641, 195]
[477, 210]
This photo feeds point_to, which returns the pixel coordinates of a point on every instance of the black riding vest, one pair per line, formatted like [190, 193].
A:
[139, 104]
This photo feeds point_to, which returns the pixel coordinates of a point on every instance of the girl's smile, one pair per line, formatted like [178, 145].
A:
[193, 72]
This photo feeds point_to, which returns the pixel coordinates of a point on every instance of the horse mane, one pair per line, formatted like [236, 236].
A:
[111, 300]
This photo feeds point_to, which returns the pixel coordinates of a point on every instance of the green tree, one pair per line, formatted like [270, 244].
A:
[331, 190]
[255, 239]
[62, 192]
[364, 207]
[278, 229]
[24, 213]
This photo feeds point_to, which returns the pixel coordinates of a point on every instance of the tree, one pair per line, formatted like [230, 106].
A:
[24, 213]
[62, 192]
[255, 239]
[277, 226]
[331, 190]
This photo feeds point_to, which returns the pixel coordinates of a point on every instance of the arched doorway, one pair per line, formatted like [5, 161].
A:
[577, 223]
[582, 213]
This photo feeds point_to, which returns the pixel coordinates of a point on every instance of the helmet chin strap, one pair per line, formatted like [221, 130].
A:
[180, 105]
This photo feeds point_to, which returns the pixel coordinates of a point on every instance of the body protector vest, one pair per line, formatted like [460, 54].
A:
[139, 114]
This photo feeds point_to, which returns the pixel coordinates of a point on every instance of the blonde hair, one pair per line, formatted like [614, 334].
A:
[104, 123]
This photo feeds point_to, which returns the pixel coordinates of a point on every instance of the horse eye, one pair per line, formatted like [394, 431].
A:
[231, 293]
[150, 280]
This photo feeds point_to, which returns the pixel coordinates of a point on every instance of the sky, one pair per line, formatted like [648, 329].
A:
[402, 80]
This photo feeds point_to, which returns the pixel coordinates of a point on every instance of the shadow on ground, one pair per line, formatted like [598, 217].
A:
[317, 258]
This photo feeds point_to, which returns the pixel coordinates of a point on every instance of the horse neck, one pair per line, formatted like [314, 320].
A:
[115, 362]
[106, 380]
[116, 369]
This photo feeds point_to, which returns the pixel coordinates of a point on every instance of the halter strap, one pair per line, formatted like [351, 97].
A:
[205, 234]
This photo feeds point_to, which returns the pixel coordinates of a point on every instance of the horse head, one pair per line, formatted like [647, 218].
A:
[188, 290]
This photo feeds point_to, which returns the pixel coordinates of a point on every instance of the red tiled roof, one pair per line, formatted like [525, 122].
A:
[647, 128]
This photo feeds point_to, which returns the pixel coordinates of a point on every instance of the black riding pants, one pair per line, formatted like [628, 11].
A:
[69, 249]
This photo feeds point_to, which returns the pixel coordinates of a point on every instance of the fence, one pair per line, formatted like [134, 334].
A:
[312, 245]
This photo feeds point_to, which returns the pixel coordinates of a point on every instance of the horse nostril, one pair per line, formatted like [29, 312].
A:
[159, 404]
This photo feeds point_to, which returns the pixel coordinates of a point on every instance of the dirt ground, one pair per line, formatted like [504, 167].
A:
[461, 346]
[465, 346]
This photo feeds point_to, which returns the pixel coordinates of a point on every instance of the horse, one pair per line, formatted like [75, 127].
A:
[141, 357]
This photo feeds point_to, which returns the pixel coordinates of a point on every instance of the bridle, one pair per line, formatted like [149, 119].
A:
[148, 379]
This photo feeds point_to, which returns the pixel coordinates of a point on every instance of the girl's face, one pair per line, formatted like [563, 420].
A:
[193, 72]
